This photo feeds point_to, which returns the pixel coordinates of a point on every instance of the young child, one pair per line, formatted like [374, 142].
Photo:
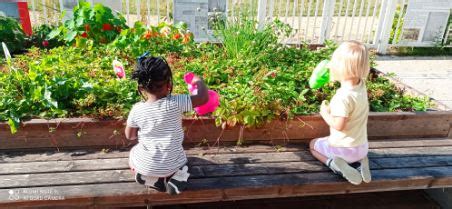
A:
[346, 115]
[158, 160]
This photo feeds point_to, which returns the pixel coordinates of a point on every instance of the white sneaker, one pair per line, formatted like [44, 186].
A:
[365, 170]
[341, 167]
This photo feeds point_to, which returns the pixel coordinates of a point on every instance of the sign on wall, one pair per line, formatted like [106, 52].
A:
[425, 21]
[200, 16]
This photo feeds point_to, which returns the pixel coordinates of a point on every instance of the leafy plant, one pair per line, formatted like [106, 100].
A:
[63, 82]
[258, 78]
[97, 23]
[158, 40]
[39, 37]
[12, 34]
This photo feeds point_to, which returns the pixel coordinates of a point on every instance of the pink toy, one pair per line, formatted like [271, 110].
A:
[214, 98]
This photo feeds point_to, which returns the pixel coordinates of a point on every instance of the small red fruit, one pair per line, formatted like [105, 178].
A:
[45, 43]
[106, 27]
[84, 35]
[273, 74]
[87, 27]
[176, 36]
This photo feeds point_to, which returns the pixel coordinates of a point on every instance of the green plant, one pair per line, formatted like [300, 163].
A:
[158, 40]
[39, 37]
[396, 33]
[258, 78]
[63, 82]
[11, 34]
[97, 23]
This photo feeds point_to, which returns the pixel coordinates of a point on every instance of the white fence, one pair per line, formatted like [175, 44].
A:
[375, 22]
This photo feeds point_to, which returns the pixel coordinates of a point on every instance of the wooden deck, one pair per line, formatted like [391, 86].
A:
[86, 178]
[412, 199]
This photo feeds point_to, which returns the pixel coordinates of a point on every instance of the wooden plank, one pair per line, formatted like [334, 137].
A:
[261, 168]
[425, 142]
[113, 194]
[122, 163]
[208, 166]
[264, 166]
[15, 157]
[82, 154]
[67, 133]
[63, 166]
[410, 151]
[379, 200]
[252, 187]
[413, 147]
[414, 162]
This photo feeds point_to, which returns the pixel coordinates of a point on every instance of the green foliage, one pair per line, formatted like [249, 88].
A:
[396, 33]
[63, 82]
[258, 78]
[97, 24]
[385, 97]
[12, 34]
[158, 40]
[39, 37]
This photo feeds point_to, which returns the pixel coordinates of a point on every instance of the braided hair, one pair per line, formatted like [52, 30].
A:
[153, 74]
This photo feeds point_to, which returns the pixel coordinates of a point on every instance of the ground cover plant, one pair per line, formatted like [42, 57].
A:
[258, 78]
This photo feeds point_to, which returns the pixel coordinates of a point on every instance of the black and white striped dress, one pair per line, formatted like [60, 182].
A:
[159, 151]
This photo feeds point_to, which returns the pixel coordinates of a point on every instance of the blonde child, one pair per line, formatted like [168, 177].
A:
[346, 115]
[158, 160]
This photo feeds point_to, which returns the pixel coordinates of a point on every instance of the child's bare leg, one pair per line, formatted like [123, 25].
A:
[316, 154]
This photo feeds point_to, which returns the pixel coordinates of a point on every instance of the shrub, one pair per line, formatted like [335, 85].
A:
[12, 34]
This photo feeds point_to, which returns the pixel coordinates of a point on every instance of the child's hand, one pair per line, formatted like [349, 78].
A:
[195, 79]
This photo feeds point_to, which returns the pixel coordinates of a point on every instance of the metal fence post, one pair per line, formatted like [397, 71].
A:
[327, 19]
[261, 13]
[383, 42]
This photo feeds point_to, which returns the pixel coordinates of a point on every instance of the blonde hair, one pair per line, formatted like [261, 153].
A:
[349, 61]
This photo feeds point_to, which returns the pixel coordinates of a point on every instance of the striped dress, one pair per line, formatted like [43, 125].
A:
[159, 151]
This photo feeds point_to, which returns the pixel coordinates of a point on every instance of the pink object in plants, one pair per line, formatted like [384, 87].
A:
[119, 69]
[214, 98]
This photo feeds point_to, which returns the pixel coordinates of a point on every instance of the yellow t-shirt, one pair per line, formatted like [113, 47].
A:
[352, 103]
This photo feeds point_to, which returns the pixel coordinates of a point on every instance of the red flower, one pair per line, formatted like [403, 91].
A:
[176, 36]
[84, 35]
[106, 27]
[45, 43]
[87, 28]
[147, 35]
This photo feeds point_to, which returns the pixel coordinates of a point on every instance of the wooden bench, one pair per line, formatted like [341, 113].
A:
[99, 178]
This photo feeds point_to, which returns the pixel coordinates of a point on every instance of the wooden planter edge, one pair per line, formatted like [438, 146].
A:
[88, 132]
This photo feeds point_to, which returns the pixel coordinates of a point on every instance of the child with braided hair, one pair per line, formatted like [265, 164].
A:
[158, 160]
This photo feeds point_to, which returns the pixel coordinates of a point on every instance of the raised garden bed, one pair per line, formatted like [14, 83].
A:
[84, 132]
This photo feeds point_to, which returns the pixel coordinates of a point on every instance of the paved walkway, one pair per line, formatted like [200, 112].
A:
[429, 75]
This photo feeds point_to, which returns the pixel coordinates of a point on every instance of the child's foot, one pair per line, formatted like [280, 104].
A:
[178, 182]
[364, 169]
[340, 166]
[152, 182]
